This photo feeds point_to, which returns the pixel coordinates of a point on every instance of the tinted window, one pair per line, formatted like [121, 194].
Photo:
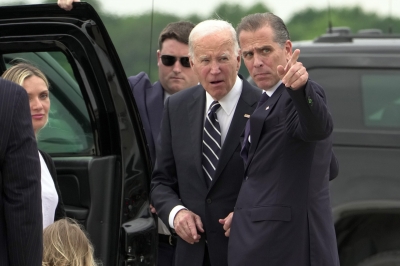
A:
[362, 99]
[381, 99]
[365, 105]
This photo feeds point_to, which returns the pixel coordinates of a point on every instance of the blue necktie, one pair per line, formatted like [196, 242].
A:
[246, 144]
[211, 143]
[264, 97]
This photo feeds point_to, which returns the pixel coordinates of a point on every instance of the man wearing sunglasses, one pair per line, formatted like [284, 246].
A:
[174, 75]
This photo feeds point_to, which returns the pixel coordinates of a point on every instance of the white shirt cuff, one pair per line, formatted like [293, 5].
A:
[173, 213]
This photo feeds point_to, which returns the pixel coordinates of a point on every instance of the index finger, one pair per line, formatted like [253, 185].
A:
[293, 59]
[191, 224]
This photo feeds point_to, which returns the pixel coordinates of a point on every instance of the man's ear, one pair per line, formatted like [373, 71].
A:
[191, 61]
[239, 59]
[288, 49]
[158, 57]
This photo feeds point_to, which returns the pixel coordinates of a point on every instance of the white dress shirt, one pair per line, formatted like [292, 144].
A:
[166, 96]
[49, 194]
[225, 114]
[273, 88]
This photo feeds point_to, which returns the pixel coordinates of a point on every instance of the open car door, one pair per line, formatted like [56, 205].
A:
[94, 133]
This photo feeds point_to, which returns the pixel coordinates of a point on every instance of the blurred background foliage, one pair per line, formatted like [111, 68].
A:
[136, 36]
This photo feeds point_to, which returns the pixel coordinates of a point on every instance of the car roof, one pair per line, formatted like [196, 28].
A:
[342, 40]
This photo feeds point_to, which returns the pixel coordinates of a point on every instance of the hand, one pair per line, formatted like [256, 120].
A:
[227, 221]
[152, 209]
[66, 4]
[186, 225]
[294, 75]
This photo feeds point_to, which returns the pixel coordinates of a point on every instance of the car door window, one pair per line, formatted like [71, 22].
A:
[381, 99]
[365, 104]
[362, 99]
[68, 130]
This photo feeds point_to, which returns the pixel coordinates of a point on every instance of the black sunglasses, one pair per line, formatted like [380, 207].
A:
[169, 60]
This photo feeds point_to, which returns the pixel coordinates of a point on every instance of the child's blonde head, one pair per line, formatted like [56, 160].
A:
[66, 244]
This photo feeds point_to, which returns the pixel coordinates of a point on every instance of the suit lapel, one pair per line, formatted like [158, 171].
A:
[260, 114]
[155, 102]
[246, 105]
[196, 111]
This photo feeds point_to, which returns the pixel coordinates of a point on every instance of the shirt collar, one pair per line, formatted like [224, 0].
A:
[273, 88]
[166, 95]
[229, 101]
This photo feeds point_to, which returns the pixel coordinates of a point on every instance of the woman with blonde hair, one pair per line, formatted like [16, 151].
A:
[66, 244]
[36, 85]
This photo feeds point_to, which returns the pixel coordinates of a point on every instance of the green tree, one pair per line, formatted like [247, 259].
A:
[136, 36]
[233, 13]
[310, 23]
[136, 40]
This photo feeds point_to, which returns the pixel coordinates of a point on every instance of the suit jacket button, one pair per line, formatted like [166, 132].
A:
[209, 201]
[247, 177]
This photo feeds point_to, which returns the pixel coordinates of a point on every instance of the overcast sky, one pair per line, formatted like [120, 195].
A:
[282, 8]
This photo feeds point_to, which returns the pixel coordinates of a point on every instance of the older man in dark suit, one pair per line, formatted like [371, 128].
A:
[283, 216]
[20, 194]
[199, 171]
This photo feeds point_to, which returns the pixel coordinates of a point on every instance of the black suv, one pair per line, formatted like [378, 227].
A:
[361, 76]
[94, 132]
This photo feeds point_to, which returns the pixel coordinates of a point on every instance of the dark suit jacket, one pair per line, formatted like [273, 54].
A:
[20, 187]
[150, 102]
[60, 211]
[178, 176]
[283, 214]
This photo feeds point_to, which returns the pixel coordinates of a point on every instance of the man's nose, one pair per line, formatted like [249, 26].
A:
[177, 67]
[257, 61]
[215, 69]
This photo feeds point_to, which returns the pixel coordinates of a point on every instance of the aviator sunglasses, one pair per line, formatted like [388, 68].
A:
[169, 60]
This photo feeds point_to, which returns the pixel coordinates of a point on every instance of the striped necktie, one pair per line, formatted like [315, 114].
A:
[211, 143]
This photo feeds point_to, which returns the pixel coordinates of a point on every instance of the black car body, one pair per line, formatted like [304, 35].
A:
[94, 132]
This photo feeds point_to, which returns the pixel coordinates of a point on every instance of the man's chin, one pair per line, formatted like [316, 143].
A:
[261, 83]
[264, 83]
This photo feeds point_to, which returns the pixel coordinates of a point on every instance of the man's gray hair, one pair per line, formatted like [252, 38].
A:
[212, 26]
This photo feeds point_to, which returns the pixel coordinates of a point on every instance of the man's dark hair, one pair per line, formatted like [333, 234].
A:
[176, 30]
[256, 21]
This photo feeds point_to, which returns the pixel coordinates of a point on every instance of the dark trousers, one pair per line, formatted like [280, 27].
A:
[206, 261]
[166, 254]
